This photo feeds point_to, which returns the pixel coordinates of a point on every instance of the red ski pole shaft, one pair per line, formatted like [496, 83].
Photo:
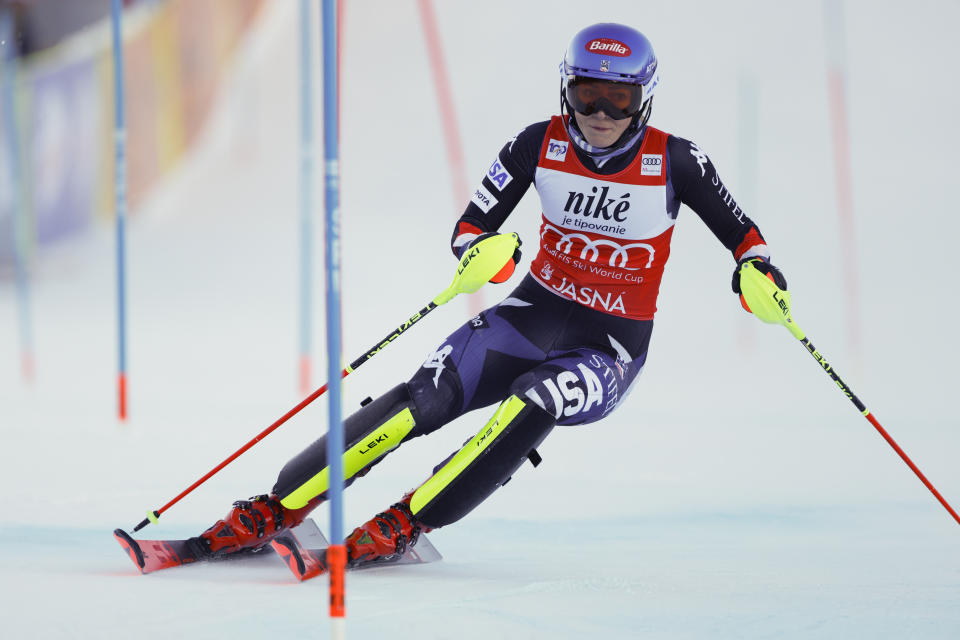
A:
[153, 516]
[869, 416]
[771, 304]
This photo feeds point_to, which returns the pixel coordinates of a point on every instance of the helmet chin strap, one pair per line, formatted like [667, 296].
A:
[630, 135]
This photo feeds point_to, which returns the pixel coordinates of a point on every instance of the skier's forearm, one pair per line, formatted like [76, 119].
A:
[698, 185]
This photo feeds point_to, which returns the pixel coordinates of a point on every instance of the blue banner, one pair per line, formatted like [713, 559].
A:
[7, 194]
[64, 151]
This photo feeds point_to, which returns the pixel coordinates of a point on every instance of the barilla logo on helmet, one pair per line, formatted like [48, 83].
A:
[608, 46]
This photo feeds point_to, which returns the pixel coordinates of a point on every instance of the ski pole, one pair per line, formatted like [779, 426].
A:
[476, 267]
[772, 305]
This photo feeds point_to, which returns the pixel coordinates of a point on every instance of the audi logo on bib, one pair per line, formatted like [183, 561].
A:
[614, 254]
[651, 164]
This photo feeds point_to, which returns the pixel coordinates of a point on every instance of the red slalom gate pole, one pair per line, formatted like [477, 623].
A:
[448, 115]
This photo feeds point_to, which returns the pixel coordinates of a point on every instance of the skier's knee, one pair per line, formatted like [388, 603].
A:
[484, 463]
[437, 398]
[369, 434]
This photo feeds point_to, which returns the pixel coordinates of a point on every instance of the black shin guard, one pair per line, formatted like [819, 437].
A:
[484, 463]
[369, 434]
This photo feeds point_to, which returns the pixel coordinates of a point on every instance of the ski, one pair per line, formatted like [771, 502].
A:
[307, 561]
[154, 555]
[302, 548]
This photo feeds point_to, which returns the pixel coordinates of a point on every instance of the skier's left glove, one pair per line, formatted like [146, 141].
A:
[504, 274]
[764, 267]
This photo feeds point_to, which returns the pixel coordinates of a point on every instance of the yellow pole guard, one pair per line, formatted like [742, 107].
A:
[766, 300]
[379, 442]
[479, 264]
[470, 451]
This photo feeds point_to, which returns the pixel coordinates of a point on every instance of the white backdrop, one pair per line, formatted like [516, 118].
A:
[736, 494]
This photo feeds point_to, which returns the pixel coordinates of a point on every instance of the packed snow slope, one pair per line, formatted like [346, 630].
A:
[735, 494]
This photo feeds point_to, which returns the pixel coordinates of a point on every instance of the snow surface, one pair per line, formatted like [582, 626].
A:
[736, 494]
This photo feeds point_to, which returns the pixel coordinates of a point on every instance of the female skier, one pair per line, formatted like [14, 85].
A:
[566, 345]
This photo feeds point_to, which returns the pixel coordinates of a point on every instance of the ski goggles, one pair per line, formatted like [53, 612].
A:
[618, 100]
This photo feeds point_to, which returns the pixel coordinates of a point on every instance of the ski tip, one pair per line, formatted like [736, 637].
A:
[303, 563]
[131, 547]
[288, 550]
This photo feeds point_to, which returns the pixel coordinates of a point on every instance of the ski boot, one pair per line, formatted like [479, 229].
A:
[251, 525]
[385, 537]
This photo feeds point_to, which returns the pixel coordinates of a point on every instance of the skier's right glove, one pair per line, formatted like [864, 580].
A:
[504, 274]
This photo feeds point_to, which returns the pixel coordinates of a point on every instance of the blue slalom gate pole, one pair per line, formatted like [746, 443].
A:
[306, 197]
[336, 554]
[120, 204]
[18, 224]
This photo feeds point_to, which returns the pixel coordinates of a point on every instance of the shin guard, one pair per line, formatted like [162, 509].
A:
[369, 434]
[484, 463]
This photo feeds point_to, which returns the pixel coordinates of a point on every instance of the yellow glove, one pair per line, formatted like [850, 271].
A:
[485, 259]
[504, 274]
[763, 290]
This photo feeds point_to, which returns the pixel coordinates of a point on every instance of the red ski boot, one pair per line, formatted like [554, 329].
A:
[386, 536]
[251, 524]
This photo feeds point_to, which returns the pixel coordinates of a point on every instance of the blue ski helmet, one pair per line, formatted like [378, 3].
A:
[614, 53]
